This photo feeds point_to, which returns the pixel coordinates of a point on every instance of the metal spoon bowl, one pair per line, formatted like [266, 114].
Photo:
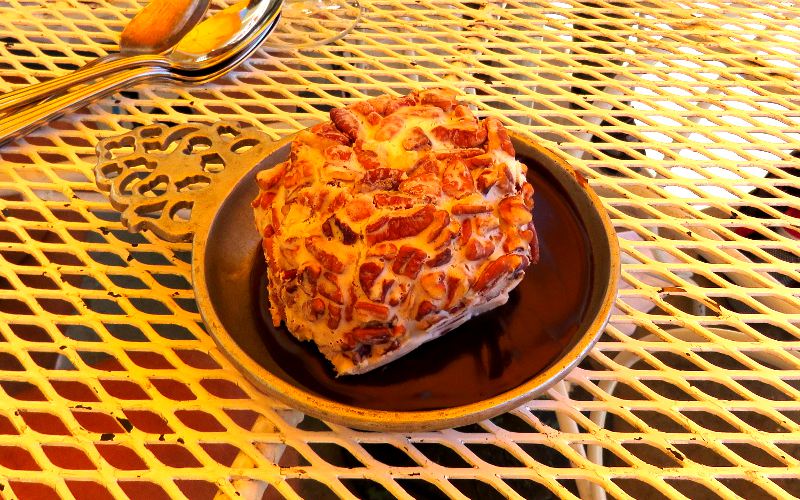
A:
[155, 29]
[211, 49]
[160, 25]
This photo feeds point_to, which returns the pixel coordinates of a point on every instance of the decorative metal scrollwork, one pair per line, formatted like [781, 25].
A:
[158, 176]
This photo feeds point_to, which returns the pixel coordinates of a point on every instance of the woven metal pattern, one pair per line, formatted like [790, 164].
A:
[684, 116]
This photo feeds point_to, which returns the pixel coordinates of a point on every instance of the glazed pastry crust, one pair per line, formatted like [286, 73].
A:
[391, 224]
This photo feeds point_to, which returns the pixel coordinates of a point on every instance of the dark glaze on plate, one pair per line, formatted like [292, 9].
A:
[485, 357]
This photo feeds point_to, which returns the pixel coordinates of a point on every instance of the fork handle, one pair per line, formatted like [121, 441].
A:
[18, 124]
[13, 101]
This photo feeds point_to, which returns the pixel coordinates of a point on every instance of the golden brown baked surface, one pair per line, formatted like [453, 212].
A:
[392, 224]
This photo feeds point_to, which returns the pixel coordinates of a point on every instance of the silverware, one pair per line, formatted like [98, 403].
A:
[156, 29]
[211, 49]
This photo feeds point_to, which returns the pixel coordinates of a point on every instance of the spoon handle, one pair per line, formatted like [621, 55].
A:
[18, 124]
[13, 101]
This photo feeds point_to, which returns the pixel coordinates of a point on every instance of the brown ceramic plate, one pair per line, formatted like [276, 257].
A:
[487, 366]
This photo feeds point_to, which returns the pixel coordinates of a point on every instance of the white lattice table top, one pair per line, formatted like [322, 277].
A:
[684, 117]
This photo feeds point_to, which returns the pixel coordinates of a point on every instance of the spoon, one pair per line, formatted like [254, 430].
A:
[211, 49]
[161, 25]
[154, 30]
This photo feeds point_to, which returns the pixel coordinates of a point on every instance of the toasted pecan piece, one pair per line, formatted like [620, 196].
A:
[502, 267]
[347, 123]
[394, 228]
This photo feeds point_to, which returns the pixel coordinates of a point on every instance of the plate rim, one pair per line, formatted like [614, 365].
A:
[418, 420]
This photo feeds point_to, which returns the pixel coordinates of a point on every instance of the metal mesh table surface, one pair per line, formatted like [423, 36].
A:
[684, 116]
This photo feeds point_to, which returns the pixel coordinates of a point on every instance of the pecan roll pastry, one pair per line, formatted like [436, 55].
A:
[391, 224]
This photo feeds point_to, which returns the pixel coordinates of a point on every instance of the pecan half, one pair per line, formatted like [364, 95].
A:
[386, 200]
[385, 287]
[416, 140]
[466, 232]
[312, 198]
[369, 335]
[443, 98]
[464, 115]
[289, 250]
[381, 179]
[514, 243]
[389, 127]
[501, 268]
[409, 261]
[425, 308]
[467, 137]
[434, 285]
[333, 227]
[350, 302]
[338, 153]
[441, 258]
[497, 137]
[367, 274]
[478, 249]
[485, 224]
[527, 195]
[370, 311]
[446, 236]
[327, 130]
[379, 103]
[384, 251]
[480, 161]
[471, 208]
[456, 288]
[456, 180]
[513, 211]
[334, 316]
[328, 287]
[307, 278]
[393, 228]
[441, 219]
[425, 185]
[265, 200]
[398, 295]
[428, 164]
[346, 122]
[364, 108]
[366, 157]
[486, 180]
[505, 178]
[295, 176]
[399, 102]
[336, 203]
[359, 209]
[534, 242]
[328, 260]
[316, 308]
[463, 154]
[269, 178]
